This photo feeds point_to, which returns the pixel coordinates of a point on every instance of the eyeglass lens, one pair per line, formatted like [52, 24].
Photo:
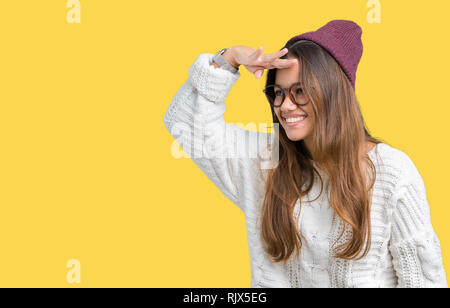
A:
[276, 95]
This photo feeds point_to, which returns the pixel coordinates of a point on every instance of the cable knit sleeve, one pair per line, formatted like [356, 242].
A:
[195, 118]
[414, 246]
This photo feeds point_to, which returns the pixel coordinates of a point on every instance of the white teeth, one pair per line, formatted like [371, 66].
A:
[291, 120]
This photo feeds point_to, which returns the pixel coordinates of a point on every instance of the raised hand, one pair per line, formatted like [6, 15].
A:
[255, 61]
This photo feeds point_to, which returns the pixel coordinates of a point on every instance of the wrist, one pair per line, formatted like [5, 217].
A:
[229, 56]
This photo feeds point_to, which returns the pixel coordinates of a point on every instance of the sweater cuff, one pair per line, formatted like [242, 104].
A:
[210, 82]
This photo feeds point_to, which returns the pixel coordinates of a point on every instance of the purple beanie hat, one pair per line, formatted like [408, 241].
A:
[342, 39]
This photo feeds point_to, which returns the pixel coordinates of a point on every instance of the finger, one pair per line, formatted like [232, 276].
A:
[259, 73]
[276, 55]
[284, 63]
[257, 53]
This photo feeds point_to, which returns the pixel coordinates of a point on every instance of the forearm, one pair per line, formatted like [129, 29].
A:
[195, 118]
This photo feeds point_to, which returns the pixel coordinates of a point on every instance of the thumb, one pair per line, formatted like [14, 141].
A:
[259, 73]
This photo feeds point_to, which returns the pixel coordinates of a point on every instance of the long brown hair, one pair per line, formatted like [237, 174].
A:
[339, 141]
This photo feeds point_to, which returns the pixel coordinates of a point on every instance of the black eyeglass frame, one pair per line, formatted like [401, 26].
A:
[284, 95]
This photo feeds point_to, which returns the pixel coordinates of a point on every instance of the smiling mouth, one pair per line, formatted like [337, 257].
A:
[292, 121]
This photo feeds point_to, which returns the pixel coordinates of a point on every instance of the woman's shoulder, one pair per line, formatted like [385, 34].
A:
[394, 164]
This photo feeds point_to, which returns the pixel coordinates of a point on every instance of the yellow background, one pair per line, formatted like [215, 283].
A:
[86, 170]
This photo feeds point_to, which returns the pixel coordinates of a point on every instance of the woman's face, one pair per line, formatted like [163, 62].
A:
[300, 129]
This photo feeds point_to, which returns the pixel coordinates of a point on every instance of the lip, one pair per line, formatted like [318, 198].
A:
[294, 123]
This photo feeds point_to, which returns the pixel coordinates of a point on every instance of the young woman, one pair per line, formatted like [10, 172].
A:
[339, 208]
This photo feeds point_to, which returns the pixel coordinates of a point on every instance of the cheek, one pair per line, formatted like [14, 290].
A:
[310, 112]
[311, 117]
[308, 109]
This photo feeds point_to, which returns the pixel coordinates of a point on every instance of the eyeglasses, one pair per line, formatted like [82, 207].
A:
[276, 95]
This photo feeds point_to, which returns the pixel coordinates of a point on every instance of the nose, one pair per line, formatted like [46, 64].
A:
[287, 104]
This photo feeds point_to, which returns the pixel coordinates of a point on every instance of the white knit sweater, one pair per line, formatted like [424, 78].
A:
[405, 251]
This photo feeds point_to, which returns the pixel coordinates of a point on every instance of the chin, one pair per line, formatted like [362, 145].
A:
[295, 137]
[296, 133]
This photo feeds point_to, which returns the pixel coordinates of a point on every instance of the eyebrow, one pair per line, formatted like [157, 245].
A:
[299, 83]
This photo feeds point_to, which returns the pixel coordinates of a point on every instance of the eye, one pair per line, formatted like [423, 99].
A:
[278, 93]
[298, 91]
